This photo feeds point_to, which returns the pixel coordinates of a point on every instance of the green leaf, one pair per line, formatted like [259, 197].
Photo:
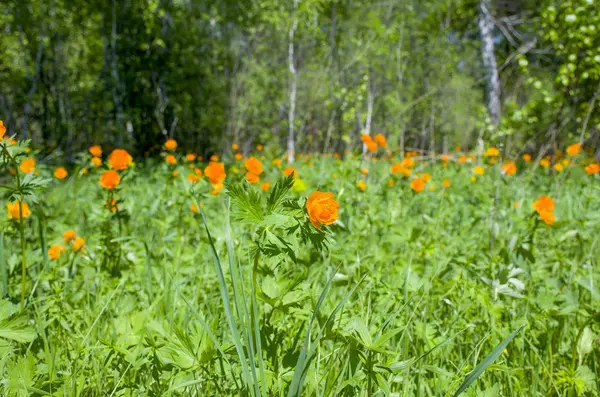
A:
[487, 362]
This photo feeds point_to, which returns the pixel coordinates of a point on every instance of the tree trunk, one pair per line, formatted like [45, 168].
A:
[486, 25]
[291, 142]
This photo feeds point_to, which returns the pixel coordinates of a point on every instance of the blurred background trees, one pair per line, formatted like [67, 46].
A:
[210, 73]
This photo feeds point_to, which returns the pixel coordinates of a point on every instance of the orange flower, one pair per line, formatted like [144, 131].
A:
[259, 147]
[276, 162]
[16, 209]
[544, 203]
[216, 188]
[592, 169]
[509, 168]
[566, 162]
[198, 172]
[366, 138]
[558, 167]
[380, 140]
[2, 129]
[479, 170]
[215, 172]
[492, 152]
[27, 165]
[190, 157]
[193, 178]
[171, 144]
[573, 149]
[290, 171]
[516, 204]
[253, 165]
[214, 157]
[60, 173]
[364, 171]
[417, 185]
[78, 245]
[322, 209]
[462, 159]
[55, 251]
[238, 156]
[426, 177]
[362, 186]
[446, 183]
[95, 151]
[119, 159]
[111, 205]
[252, 177]
[110, 180]
[235, 146]
[69, 236]
[96, 161]
[371, 146]
[545, 162]
[265, 186]
[171, 159]
[526, 157]
[194, 208]
[547, 217]
[408, 163]
[397, 168]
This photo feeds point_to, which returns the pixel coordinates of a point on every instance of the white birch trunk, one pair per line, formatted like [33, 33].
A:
[486, 25]
[291, 142]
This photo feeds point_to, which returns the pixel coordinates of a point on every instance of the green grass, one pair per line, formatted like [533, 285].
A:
[412, 294]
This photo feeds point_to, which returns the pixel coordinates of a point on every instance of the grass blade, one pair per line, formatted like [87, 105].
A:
[487, 362]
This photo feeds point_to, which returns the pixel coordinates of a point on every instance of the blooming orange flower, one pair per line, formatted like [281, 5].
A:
[2, 129]
[111, 205]
[110, 179]
[265, 186]
[198, 172]
[566, 162]
[276, 162]
[322, 209]
[417, 185]
[170, 159]
[193, 178]
[190, 157]
[426, 177]
[60, 173]
[397, 168]
[362, 186]
[95, 151]
[573, 149]
[194, 208]
[214, 157]
[253, 165]
[509, 168]
[462, 159]
[446, 183]
[526, 157]
[445, 157]
[238, 156]
[492, 152]
[408, 163]
[545, 162]
[371, 146]
[215, 172]
[558, 167]
[27, 165]
[78, 245]
[55, 251]
[252, 177]
[96, 161]
[69, 236]
[479, 170]
[516, 204]
[547, 217]
[16, 209]
[364, 171]
[290, 171]
[365, 138]
[119, 159]
[380, 140]
[592, 169]
[235, 146]
[259, 147]
[544, 203]
[171, 144]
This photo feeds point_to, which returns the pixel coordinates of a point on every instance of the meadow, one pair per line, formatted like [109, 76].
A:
[463, 273]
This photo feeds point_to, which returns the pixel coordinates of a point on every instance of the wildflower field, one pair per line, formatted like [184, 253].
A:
[353, 274]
